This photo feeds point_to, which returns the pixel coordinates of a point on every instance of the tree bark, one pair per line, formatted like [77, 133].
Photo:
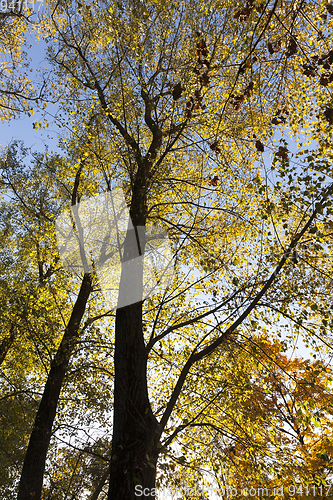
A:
[31, 481]
[135, 429]
[6, 344]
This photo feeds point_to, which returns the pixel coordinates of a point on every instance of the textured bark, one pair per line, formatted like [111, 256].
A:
[135, 429]
[31, 481]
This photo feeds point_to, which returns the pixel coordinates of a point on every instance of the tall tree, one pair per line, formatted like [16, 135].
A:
[173, 103]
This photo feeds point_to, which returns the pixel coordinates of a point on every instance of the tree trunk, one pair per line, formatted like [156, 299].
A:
[135, 429]
[31, 481]
[6, 344]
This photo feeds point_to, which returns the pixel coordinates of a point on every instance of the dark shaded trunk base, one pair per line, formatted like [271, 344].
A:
[132, 476]
[135, 429]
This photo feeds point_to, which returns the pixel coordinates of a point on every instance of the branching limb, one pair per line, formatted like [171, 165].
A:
[198, 356]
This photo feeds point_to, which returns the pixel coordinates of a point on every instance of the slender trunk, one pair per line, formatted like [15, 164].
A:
[31, 481]
[6, 344]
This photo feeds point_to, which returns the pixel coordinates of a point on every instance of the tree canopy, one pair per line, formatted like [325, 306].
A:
[186, 110]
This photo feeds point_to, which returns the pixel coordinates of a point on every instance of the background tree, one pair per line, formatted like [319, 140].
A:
[18, 93]
[269, 426]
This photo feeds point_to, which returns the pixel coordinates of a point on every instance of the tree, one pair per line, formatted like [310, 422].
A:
[176, 118]
[17, 92]
[269, 426]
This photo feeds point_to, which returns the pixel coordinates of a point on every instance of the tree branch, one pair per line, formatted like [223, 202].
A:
[100, 485]
[194, 357]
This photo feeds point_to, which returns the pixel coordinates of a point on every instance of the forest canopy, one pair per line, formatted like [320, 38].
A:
[208, 128]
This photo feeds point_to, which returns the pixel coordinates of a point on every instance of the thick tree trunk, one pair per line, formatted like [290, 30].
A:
[31, 481]
[135, 429]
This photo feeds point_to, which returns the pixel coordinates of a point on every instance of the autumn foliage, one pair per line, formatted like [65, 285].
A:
[215, 121]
